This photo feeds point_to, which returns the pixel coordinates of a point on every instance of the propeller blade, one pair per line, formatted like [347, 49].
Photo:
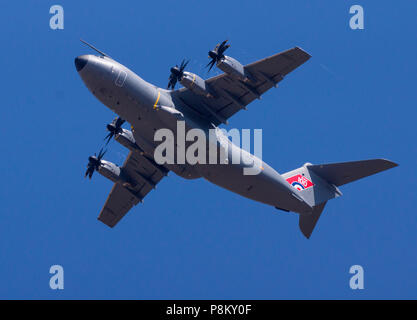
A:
[176, 74]
[89, 172]
[119, 122]
[217, 53]
[114, 128]
[216, 48]
[108, 137]
[211, 64]
[222, 48]
[101, 154]
[94, 163]
[172, 83]
[183, 65]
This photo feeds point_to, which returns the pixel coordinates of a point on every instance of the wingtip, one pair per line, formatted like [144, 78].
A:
[304, 52]
[390, 164]
[110, 225]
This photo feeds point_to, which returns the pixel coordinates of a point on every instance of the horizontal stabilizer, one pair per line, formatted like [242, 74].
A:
[345, 172]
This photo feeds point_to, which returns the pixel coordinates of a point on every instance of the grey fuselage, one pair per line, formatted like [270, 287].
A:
[136, 101]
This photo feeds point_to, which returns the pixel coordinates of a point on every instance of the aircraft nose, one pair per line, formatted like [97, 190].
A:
[80, 62]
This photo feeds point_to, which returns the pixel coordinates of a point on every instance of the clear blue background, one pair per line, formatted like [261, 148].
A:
[354, 99]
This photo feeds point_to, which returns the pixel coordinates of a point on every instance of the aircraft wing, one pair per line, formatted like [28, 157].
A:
[144, 174]
[232, 95]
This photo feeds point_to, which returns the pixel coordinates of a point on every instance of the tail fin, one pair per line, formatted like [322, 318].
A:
[308, 222]
[319, 183]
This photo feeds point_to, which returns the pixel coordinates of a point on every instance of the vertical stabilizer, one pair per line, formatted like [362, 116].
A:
[308, 222]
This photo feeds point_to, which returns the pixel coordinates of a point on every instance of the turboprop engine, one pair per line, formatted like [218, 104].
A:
[104, 167]
[188, 80]
[227, 64]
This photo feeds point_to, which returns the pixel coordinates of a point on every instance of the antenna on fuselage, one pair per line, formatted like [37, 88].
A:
[94, 48]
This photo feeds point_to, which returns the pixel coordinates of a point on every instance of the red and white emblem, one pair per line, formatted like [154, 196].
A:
[300, 182]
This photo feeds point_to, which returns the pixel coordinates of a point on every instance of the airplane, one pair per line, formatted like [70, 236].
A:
[205, 104]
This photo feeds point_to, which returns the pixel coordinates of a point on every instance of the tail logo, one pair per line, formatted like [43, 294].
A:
[300, 182]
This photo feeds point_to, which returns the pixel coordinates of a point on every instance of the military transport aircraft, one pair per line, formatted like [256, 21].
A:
[205, 104]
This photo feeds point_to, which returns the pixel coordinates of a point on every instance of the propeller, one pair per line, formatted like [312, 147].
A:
[217, 53]
[115, 127]
[94, 163]
[176, 74]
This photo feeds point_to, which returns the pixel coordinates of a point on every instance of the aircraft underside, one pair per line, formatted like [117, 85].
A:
[204, 105]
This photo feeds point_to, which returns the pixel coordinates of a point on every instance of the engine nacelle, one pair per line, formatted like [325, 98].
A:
[233, 68]
[126, 139]
[115, 173]
[109, 170]
[195, 84]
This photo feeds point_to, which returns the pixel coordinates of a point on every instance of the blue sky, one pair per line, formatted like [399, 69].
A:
[354, 99]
